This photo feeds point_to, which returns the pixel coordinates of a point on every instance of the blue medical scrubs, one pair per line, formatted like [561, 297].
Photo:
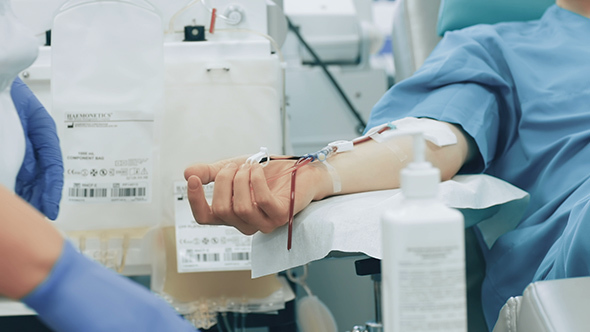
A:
[521, 90]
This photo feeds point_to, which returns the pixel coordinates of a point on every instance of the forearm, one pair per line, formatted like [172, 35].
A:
[376, 166]
[29, 246]
[252, 198]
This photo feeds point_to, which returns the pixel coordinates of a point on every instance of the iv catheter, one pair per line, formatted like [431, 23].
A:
[261, 157]
[436, 132]
[322, 155]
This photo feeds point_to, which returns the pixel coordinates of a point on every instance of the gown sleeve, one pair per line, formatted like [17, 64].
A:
[465, 81]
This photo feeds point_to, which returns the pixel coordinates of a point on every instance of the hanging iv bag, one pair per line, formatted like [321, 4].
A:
[107, 89]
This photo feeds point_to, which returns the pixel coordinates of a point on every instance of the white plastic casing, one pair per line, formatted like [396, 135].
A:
[342, 146]
[423, 262]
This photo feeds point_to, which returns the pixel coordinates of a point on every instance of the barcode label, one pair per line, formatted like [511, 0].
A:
[106, 192]
[87, 192]
[237, 256]
[204, 248]
[128, 192]
[191, 257]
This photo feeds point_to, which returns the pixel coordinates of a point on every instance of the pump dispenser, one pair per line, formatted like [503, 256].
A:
[423, 263]
[419, 178]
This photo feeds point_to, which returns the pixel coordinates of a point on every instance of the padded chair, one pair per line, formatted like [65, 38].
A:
[547, 306]
[419, 24]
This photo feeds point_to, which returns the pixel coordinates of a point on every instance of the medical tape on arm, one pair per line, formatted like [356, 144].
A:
[323, 155]
[336, 182]
[434, 131]
[437, 132]
[336, 147]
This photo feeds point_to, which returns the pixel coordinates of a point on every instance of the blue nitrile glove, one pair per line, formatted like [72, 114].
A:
[40, 179]
[81, 295]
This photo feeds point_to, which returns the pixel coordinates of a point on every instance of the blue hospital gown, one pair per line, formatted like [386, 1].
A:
[522, 91]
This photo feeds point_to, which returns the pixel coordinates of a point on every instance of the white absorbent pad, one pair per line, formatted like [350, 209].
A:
[351, 223]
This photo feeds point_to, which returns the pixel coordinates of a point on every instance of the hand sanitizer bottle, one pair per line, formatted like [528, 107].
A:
[423, 264]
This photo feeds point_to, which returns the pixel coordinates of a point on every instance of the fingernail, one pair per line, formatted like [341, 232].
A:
[245, 166]
[231, 165]
[192, 183]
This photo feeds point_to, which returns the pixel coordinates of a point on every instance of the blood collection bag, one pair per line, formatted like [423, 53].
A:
[108, 97]
[223, 99]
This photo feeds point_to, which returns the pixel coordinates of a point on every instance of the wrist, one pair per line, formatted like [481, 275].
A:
[320, 176]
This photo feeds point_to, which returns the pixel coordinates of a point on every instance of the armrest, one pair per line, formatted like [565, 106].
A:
[548, 306]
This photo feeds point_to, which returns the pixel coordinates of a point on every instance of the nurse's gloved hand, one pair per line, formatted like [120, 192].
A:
[81, 295]
[40, 179]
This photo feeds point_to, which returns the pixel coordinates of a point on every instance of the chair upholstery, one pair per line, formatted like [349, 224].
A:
[418, 24]
[458, 14]
[548, 306]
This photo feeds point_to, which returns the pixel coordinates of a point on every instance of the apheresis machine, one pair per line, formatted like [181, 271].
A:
[139, 90]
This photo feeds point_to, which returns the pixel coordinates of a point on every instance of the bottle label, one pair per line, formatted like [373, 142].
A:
[423, 270]
[432, 284]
